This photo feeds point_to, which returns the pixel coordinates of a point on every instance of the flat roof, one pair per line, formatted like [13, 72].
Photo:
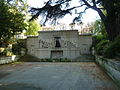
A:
[85, 34]
[57, 31]
[32, 36]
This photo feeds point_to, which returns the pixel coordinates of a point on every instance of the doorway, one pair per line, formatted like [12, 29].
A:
[57, 54]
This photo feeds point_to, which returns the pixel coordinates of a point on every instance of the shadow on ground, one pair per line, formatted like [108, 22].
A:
[85, 58]
[29, 58]
[18, 86]
[81, 58]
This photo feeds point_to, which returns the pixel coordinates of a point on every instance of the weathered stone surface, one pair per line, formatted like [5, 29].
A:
[111, 67]
[71, 44]
[8, 59]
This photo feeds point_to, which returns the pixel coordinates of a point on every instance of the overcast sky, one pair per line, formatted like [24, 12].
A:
[89, 16]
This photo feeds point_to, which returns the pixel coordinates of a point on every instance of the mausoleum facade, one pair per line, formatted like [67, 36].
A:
[59, 44]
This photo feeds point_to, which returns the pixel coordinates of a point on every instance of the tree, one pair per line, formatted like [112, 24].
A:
[99, 28]
[33, 28]
[99, 35]
[12, 21]
[55, 9]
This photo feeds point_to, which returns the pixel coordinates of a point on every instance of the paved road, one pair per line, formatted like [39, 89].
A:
[54, 76]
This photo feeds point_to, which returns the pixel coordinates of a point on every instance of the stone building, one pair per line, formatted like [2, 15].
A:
[59, 44]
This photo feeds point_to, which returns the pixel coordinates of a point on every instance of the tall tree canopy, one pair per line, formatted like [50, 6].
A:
[55, 9]
[99, 28]
[33, 28]
[11, 21]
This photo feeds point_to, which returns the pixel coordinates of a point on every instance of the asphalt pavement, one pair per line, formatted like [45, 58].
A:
[54, 76]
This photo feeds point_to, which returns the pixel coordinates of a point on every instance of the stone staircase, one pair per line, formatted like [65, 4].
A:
[29, 58]
[82, 58]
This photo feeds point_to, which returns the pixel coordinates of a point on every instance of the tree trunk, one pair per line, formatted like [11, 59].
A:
[112, 26]
[111, 31]
[112, 20]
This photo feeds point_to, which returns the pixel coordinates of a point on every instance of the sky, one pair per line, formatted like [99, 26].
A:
[89, 16]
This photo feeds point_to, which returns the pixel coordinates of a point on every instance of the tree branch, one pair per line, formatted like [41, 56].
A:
[102, 8]
[87, 4]
[95, 8]
[78, 18]
[94, 3]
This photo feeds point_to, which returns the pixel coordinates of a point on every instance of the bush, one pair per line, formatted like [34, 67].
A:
[6, 52]
[113, 49]
[18, 47]
[56, 60]
[101, 46]
[97, 39]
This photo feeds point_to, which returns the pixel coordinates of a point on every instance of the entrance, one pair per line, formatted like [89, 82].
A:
[57, 54]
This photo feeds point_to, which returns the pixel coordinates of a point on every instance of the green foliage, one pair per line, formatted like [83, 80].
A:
[97, 39]
[108, 10]
[109, 49]
[101, 46]
[99, 32]
[99, 28]
[20, 5]
[113, 49]
[3, 52]
[6, 52]
[18, 47]
[61, 60]
[33, 28]
[56, 60]
[12, 21]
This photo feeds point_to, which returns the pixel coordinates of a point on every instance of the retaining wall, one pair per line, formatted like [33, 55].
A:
[111, 67]
[8, 59]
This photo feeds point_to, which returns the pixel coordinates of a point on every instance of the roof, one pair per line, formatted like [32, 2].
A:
[32, 36]
[58, 31]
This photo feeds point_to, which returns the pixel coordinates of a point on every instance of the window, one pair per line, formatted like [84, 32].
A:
[57, 42]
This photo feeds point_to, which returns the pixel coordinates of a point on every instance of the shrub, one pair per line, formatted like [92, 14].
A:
[1, 50]
[18, 47]
[101, 46]
[97, 39]
[6, 52]
[55, 60]
[113, 49]
[65, 60]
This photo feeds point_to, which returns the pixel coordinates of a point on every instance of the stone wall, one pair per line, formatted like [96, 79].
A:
[32, 44]
[111, 67]
[72, 45]
[85, 42]
[8, 59]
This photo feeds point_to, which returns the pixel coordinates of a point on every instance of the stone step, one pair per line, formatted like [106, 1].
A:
[29, 58]
[82, 58]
